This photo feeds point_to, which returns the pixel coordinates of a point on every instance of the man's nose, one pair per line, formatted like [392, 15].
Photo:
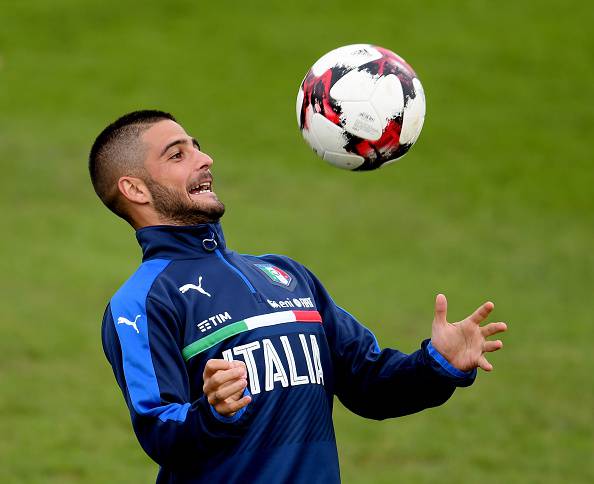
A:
[203, 160]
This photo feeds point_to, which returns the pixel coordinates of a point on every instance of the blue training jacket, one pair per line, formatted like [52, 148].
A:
[192, 299]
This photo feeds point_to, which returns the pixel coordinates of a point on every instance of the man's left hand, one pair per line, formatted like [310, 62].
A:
[464, 344]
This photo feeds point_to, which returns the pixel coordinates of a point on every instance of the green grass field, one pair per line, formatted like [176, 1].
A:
[494, 202]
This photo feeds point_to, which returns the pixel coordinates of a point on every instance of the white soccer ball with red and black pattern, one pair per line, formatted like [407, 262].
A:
[361, 107]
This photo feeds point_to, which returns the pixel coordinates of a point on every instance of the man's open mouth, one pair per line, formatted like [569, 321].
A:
[204, 187]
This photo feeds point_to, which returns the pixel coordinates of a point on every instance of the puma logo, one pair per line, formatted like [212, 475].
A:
[186, 287]
[123, 320]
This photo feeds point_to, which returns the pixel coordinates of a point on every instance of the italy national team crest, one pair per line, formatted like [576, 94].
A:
[276, 274]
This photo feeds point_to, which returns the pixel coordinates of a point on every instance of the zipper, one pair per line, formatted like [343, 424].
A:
[237, 271]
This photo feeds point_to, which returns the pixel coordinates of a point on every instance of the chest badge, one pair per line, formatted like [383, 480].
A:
[276, 275]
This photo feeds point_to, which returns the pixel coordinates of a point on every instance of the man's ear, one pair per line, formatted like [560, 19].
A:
[134, 189]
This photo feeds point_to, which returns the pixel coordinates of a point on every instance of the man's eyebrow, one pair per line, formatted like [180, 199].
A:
[181, 141]
[173, 143]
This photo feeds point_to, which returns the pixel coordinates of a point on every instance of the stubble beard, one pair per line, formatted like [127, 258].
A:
[174, 209]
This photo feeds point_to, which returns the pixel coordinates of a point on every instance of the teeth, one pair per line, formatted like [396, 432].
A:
[202, 188]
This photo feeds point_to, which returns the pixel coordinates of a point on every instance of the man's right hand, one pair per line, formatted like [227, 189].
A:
[224, 384]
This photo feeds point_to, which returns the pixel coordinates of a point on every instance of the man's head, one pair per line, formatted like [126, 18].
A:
[149, 171]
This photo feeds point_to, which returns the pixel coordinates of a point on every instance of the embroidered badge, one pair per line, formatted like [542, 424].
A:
[275, 274]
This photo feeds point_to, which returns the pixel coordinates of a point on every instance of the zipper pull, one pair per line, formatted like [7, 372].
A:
[210, 245]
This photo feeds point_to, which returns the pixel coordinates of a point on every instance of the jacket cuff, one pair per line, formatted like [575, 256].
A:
[233, 418]
[460, 378]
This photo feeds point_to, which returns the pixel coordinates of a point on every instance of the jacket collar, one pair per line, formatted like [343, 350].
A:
[180, 242]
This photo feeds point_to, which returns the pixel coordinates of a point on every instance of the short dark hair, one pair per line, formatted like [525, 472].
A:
[118, 151]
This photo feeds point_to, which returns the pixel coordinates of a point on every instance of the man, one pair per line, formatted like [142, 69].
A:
[229, 363]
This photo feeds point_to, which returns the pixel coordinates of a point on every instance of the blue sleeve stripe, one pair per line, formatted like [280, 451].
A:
[128, 309]
[452, 370]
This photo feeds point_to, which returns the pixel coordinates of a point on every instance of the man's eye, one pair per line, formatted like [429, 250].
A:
[176, 156]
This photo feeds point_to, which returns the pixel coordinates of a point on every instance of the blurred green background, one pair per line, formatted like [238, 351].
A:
[494, 202]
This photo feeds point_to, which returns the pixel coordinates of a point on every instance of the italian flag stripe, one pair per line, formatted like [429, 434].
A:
[248, 324]
[308, 316]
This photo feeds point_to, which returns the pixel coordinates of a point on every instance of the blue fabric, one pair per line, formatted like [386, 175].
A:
[178, 242]
[437, 356]
[295, 370]
[376, 346]
[236, 270]
[128, 306]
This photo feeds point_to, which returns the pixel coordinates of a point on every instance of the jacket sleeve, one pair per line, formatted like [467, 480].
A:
[386, 383]
[147, 362]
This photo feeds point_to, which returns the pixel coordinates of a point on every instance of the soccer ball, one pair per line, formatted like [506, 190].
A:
[361, 107]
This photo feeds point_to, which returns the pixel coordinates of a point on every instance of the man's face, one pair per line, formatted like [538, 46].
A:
[179, 177]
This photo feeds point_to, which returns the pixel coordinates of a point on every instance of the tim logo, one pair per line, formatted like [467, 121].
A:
[213, 321]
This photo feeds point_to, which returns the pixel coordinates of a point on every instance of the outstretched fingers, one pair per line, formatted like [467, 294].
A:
[441, 309]
[484, 364]
[491, 346]
[493, 328]
[482, 312]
